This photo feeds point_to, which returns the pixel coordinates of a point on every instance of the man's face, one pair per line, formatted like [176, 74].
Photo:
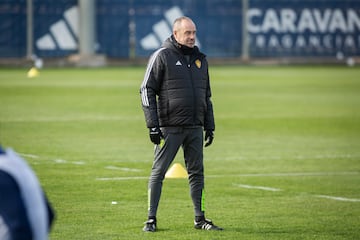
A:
[185, 33]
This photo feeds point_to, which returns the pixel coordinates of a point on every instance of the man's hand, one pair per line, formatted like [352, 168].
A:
[209, 137]
[155, 135]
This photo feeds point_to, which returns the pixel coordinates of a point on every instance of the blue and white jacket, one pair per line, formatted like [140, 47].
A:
[25, 212]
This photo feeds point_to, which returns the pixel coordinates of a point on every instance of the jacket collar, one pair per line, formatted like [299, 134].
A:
[182, 49]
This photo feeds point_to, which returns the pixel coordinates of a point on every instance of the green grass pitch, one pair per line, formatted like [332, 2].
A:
[285, 162]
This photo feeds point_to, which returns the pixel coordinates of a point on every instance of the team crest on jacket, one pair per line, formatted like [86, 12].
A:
[198, 63]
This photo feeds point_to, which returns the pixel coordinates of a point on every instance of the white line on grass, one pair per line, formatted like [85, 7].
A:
[246, 175]
[298, 157]
[299, 174]
[123, 169]
[338, 198]
[121, 178]
[62, 161]
[73, 119]
[79, 163]
[258, 187]
[28, 155]
[344, 199]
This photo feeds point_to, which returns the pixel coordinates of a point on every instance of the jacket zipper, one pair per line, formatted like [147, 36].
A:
[194, 90]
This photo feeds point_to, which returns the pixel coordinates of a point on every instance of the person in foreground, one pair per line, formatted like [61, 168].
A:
[176, 100]
[25, 213]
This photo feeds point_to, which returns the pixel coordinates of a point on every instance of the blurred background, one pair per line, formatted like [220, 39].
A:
[107, 32]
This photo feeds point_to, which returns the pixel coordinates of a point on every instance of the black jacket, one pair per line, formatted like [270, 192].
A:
[176, 89]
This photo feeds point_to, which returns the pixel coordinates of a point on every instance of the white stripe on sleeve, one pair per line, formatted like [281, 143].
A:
[144, 96]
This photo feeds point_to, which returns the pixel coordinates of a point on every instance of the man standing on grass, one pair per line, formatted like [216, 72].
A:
[175, 97]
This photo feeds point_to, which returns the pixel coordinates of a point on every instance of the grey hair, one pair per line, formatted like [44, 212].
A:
[179, 20]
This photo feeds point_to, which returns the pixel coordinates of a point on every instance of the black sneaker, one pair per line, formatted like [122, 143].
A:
[206, 225]
[150, 225]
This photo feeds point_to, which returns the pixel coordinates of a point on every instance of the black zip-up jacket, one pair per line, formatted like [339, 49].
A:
[176, 89]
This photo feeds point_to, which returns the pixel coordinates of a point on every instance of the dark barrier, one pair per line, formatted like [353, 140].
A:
[218, 25]
[304, 28]
[56, 28]
[112, 28]
[12, 28]
[135, 28]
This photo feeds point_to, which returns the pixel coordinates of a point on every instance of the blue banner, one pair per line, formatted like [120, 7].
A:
[304, 28]
[218, 25]
[12, 28]
[57, 28]
[112, 28]
[136, 28]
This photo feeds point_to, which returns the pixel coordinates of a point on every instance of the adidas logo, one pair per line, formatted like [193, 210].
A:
[162, 30]
[178, 63]
[63, 34]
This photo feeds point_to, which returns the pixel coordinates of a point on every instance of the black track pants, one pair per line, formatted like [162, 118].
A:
[191, 140]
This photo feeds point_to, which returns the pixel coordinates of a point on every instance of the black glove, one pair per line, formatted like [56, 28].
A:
[155, 135]
[209, 137]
